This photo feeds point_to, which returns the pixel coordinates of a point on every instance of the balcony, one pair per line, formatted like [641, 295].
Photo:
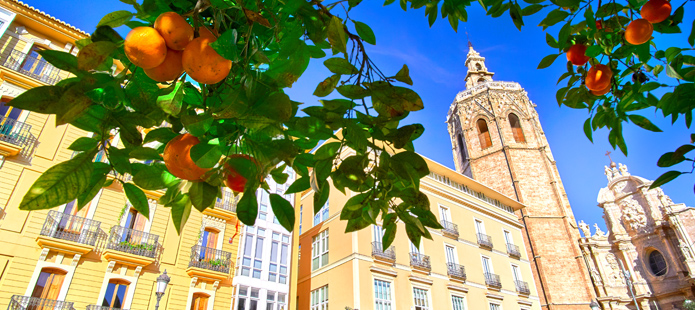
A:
[18, 302]
[485, 241]
[388, 255]
[95, 307]
[131, 247]
[34, 67]
[209, 263]
[522, 287]
[68, 233]
[450, 229]
[493, 280]
[14, 136]
[225, 208]
[420, 261]
[456, 271]
[513, 250]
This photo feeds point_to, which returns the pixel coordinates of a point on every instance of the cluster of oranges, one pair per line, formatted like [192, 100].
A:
[177, 159]
[639, 31]
[169, 49]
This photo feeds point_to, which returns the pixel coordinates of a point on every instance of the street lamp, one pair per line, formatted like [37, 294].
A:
[162, 282]
[594, 305]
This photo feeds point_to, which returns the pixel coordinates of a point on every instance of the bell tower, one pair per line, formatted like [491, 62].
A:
[498, 140]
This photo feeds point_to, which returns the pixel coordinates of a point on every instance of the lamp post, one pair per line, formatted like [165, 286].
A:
[162, 282]
[594, 305]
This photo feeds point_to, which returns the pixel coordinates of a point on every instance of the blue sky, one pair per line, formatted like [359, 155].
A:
[435, 57]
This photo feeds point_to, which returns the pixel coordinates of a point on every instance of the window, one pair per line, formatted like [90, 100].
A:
[483, 134]
[322, 215]
[516, 273]
[319, 298]
[253, 254]
[657, 263]
[200, 301]
[281, 301]
[382, 295]
[135, 220]
[209, 238]
[450, 254]
[444, 214]
[481, 80]
[479, 227]
[508, 237]
[263, 212]
[7, 111]
[487, 265]
[319, 250]
[248, 298]
[420, 299]
[115, 293]
[301, 208]
[49, 283]
[458, 303]
[495, 307]
[278, 258]
[516, 128]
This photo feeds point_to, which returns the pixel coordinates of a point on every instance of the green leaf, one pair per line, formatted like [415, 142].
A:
[356, 224]
[59, 184]
[399, 98]
[365, 32]
[532, 9]
[137, 198]
[593, 51]
[203, 195]
[669, 159]
[162, 135]
[547, 61]
[247, 208]
[672, 72]
[327, 151]
[608, 9]
[691, 37]
[554, 17]
[298, 185]
[96, 182]
[61, 60]
[403, 75]
[665, 178]
[154, 177]
[93, 55]
[180, 210]
[226, 46]
[353, 91]
[389, 235]
[42, 99]
[197, 125]
[643, 122]
[283, 211]
[339, 65]
[588, 131]
[277, 107]
[206, 155]
[551, 41]
[326, 87]
[336, 35]
[115, 19]
[649, 87]
[84, 144]
[171, 99]
[407, 134]
[145, 153]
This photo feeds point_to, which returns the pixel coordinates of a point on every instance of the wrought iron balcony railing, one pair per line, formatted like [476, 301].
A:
[18, 302]
[420, 261]
[34, 67]
[522, 287]
[133, 241]
[450, 228]
[228, 202]
[456, 271]
[513, 250]
[493, 280]
[211, 259]
[69, 227]
[95, 307]
[379, 252]
[14, 132]
[485, 240]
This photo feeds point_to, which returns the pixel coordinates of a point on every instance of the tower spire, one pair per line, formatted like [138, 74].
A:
[477, 70]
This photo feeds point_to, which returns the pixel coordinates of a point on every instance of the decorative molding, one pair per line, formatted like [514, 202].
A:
[525, 302]
[194, 281]
[420, 280]
[494, 296]
[44, 253]
[215, 285]
[138, 270]
[75, 260]
[109, 268]
[387, 272]
[457, 288]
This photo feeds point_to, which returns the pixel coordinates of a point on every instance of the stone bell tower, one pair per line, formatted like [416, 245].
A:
[498, 140]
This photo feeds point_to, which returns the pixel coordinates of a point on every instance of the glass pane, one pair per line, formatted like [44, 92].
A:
[274, 252]
[110, 288]
[243, 291]
[120, 296]
[256, 274]
[283, 280]
[285, 238]
[257, 264]
[259, 248]
[273, 267]
[247, 245]
[283, 255]
[245, 272]
[254, 293]
[254, 305]
[262, 216]
[242, 304]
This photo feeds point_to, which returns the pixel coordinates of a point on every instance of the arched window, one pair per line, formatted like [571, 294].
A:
[483, 134]
[481, 80]
[516, 128]
[200, 301]
[657, 263]
[49, 283]
[115, 294]
[478, 67]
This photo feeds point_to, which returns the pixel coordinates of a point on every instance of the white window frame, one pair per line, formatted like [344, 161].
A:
[498, 305]
[483, 258]
[282, 240]
[455, 254]
[516, 273]
[317, 304]
[445, 213]
[247, 298]
[428, 298]
[508, 238]
[252, 231]
[479, 229]
[463, 302]
[6, 17]
[319, 250]
[391, 301]
[322, 215]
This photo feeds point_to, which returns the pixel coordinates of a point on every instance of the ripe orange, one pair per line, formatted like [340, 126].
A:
[145, 48]
[177, 158]
[203, 63]
[576, 54]
[169, 70]
[174, 29]
[638, 31]
[204, 32]
[656, 11]
[233, 179]
[602, 92]
[599, 24]
[598, 77]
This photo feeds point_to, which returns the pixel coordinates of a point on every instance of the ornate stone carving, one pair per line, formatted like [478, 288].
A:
[685, 250]
[623, 170]
[633, 215]
[194, 281]
[138, 270]
[615, 274]
[75, 260]
[599, 232]
[609, 174]
[596, 276]
[109, 268]
[585, 229]
[44, 253]
[663, 198]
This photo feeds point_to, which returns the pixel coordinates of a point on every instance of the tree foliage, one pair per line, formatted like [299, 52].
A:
[271, 43]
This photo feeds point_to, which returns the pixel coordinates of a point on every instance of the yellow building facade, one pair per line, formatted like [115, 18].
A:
[106, 255]
[477, 262]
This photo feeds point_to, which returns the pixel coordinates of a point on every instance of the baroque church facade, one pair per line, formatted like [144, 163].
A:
[498, 140]
[647, 254]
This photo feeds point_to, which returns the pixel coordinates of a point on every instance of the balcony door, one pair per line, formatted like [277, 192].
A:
[200, 301]
[33, 63]
[135, 224]
[115, 293]
[444, 214]
[208, 241]
[48, 285]
[516, 273]
[508, 237]
[377, 233]
[479, 227]
[450, 254]
[487, 265]
[73, 219]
